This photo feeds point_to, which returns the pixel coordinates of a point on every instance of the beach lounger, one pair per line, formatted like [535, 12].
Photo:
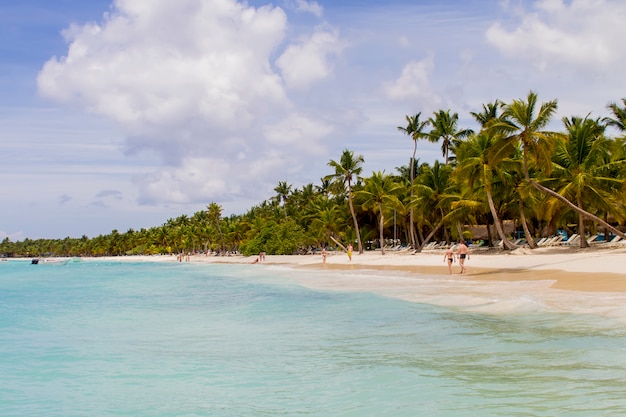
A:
[573, 240]
[554, 241]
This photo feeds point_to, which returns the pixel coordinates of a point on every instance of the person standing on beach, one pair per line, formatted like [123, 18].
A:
[463, 255]
[349, 250]
[449, 256]
[324, 254]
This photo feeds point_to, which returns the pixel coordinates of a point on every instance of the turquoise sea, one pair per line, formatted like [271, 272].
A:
[164, 339]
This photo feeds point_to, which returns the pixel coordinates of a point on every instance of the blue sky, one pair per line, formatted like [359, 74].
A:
[123, 114]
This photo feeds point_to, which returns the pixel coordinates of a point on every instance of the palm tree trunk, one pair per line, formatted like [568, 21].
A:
[509, 245]
[581, 231]
[221, 235]
[446, 236]
[338, 244]
[459, 230]
[356, 223]
[430, 235]
[420, 242]
[529, 238]
[581, 227]
[381, 223]
[411, 209]
[577, 209]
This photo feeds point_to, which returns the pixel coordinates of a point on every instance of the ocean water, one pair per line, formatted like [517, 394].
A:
[165, 339]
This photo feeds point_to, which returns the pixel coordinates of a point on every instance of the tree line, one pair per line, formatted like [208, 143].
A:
[512, 169]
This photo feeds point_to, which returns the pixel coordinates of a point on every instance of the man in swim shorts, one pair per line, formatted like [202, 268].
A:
[463, 254]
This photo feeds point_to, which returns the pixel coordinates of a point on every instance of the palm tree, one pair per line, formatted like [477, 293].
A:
[581, 162]
[378, 194]
[283, 189]
[482, 158]
[445, 128]
[326, 219]
[618, 120]
[347, 170]
[415, 129]
[432, 187]
[523, 124]
[214, 214]
[491, 111]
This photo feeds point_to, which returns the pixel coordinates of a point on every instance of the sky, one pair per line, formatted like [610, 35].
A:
[122, 114]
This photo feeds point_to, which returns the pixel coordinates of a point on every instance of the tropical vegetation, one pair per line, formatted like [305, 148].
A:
[515, 170]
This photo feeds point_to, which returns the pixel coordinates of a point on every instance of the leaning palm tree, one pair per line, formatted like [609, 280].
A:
[347, 170]
[378, 194]
[482, 158]
[524, 124]
[414, 129]
[445, 129]
[491, 112]
[580, 165]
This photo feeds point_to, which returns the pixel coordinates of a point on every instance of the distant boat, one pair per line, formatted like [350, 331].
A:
[49, 261]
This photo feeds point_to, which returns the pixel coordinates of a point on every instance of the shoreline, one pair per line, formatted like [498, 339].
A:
[596, 269]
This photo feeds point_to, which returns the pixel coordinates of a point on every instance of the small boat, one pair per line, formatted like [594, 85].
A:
[49, 261]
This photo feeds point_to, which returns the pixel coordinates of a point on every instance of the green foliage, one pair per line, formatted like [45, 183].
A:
[284, 238]
[495, 174]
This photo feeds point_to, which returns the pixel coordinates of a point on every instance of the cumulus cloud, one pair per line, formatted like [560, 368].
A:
[582, 34]
[194, 82]
[164, 63]
[414, 84]
[310, 59]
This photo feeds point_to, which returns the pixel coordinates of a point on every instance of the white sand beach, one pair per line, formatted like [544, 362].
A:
[601, 268]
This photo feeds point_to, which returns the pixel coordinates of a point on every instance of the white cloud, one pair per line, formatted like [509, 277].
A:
[155, 63]
[581, 34]
[309, 60]
[414, 84]
[193, 82]
[298, 131]
[197, 179]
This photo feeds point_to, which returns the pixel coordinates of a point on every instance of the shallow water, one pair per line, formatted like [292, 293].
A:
[144, 339]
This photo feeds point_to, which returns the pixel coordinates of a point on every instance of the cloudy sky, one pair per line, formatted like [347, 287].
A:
[121, 114]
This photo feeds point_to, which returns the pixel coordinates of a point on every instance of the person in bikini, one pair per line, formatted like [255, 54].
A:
[449, 256]
[463, 254]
